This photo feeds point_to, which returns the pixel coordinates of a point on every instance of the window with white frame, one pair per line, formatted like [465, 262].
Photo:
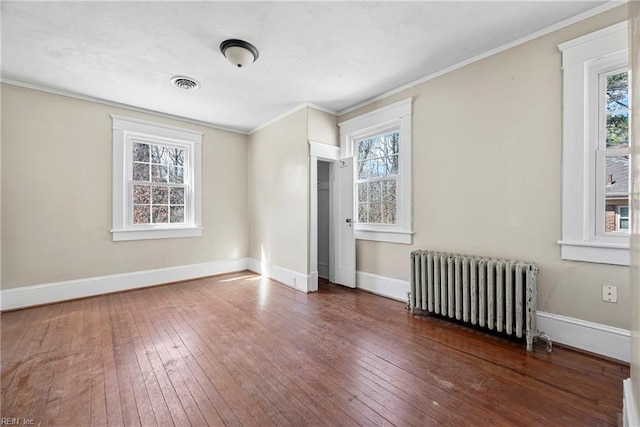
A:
[380, 144]
[156, 180]
[376, 178]
[595, 162]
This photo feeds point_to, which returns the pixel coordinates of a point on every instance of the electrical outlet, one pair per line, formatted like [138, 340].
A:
[609, 293]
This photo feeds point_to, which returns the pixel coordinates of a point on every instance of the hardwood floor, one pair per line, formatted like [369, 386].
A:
[240, 350]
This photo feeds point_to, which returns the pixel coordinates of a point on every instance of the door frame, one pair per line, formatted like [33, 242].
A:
[330, 154]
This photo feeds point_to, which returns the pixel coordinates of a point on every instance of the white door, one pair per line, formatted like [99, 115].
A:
[345, 242]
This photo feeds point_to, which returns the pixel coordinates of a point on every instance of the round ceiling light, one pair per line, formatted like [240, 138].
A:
[185, 83]
[239, 52]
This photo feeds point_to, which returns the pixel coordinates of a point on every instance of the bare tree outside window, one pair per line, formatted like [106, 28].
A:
[376, 179]
[158, 193]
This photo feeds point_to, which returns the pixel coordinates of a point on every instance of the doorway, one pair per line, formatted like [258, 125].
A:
[324, 219]
[322, 158]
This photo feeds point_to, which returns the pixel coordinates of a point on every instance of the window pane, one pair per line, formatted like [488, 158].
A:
[392, 165]
[160, 196]
[177, 196]
[140, 172]
[160, 214]
[618, 130]
[159, 173]
[364, 148]
[142, 194]
[617, 92]
[624, 223]
[389, 191]
[377, 158]
[160, 155]
[177, 214]
[375, 213]
[176, 174]
[176, 156]
[392, 143]
[141, 214]
[389, 213]
[363, 192]
[375, 191]
[616, 191]
[140, 152]
[377, 146]
[381, 167]
[363, 212]
[364, 169]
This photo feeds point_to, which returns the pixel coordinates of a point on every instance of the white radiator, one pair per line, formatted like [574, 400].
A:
[495, 294]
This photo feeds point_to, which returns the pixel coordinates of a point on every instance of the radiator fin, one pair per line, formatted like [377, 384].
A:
[499, 295]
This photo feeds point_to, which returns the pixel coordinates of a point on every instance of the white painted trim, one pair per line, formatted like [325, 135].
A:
[313, 218]
[600, 38]
[583, 234]
[300, 281]
[133, 124]
[593, 337]
[157, 233]
[630, 410]
[560, 25]
[374, 118]
[27, 296]
[319, 151]
[125, 131]
[603, 253]
[385, 286]
[394, 116]
[403, 237]
[101, 101]
[324, 151]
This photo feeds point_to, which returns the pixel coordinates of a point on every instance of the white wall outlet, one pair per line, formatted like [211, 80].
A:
[609, 293]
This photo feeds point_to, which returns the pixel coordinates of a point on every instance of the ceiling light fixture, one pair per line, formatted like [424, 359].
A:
[185, 83]
[239, 52]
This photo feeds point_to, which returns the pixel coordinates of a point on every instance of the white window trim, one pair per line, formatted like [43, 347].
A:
[394, 116]
[582, 59]
[125, 129]
[619, 216]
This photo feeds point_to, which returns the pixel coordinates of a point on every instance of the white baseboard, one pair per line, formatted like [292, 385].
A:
[28, 296]
[380, 285]
[593, 337]
[630, 409]
[300, 281]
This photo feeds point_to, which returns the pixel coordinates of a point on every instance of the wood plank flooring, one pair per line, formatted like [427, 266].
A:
[241, 350]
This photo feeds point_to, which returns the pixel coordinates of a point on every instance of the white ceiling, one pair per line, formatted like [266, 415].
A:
[332, 54]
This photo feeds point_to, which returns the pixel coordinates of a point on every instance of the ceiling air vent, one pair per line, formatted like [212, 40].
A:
[185, 83]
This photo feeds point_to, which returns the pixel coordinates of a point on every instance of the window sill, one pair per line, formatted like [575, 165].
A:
[404, 237]
[169, 233]
[596, 252]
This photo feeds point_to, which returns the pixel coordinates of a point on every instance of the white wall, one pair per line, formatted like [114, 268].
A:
[56, 194]
[278, 193]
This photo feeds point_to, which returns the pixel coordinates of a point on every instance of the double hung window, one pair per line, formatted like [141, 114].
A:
[595, 161]
[380, 144]
[156, 180]
[377, 176]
